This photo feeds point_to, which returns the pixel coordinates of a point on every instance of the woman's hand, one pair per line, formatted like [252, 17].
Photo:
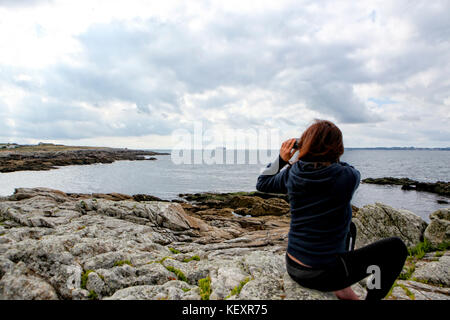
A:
[287, 150]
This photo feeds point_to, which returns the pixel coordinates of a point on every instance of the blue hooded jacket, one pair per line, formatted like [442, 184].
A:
[320, 206]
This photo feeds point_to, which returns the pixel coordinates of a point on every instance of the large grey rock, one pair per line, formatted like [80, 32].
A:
[5, 266]
[172, 290]
[412, 290]
[162, 214]
[38, 211]
[225, 279]
[96, 284]
[48, 259]
[120, 277]
[293, 291]
[378, 221]
[438, 231]
[21, 284]
[434, 272]
[262, 264]
[28, 193]
[269, 288]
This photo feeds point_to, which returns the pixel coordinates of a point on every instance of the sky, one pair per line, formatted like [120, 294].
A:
[131, 73]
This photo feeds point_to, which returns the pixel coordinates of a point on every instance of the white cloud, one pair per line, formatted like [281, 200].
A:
[118, 71]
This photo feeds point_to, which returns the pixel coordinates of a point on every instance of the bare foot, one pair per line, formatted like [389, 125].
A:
[346, 294]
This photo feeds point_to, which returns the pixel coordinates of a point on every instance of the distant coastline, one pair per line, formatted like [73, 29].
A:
[400, 148]
[46, 146]
[47, 156]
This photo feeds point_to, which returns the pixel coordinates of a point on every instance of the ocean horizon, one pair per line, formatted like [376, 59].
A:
[165, 179]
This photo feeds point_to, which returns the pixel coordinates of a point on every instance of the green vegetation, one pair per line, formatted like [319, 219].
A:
[420, 280]
[236, 290]
[83, 205]
[84, 278]
[196, 258]
[418, 252]
[174, 251]
[122, 262]
[424, 247]
[93, 295]
[420, 249]
[443, 246]
[205, 288]
[160, 261]
[180, 275]
[185, 289]
[408, 293]
[409, 271]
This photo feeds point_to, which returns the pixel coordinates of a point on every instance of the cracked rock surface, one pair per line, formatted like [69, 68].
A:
[55, 245]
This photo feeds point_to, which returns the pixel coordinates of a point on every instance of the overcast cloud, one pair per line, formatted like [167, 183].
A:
[129, 73]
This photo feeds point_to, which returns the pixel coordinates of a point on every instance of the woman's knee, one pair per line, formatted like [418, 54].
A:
[398, 246]
[387, 249]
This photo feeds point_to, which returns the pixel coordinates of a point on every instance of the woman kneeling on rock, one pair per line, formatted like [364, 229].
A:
[320, 253]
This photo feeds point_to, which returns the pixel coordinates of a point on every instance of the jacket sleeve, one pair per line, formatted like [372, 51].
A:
[273, 177]
[357, 176]
[352, 181]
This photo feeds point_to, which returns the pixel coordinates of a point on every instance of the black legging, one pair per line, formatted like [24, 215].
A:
[350, 267]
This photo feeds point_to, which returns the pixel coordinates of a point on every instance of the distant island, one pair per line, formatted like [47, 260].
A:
[440, 187]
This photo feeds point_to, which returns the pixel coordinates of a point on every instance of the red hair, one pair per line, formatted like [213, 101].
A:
[321, 142]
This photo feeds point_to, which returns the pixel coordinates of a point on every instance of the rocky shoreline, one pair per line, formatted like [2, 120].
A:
[440, 187]
[55, 245]
[37, 158]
